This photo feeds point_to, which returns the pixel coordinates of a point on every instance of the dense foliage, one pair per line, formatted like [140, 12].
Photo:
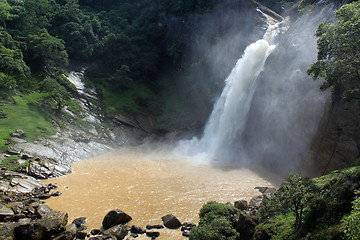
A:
[338, 60]
[217, 221]
[326, 203]
[294, 195]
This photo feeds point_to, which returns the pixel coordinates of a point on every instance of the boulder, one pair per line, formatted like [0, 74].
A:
[186, 233]
[241, 204]
[95, 231]
[170, 221]
[115, 217]
[81, 235]
[187, 226]
[157, 226]
[5, 213]
[18, 133]
[153, 234]
[79, 221]
[32, 231]
[42, 210]
[13, 151]
[7, 230]
[54, 222]
[17, 207]
[137, 230]
[119, 231]
[255, 202]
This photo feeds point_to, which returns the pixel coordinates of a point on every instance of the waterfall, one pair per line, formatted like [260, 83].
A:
[229, 115]
[269, 109]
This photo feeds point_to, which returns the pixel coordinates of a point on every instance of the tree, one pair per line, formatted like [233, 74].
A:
[56, 92]
[5, 12]
[294, 195]
[338, 60]
[353, 230]
[46, 51]
[11, 57]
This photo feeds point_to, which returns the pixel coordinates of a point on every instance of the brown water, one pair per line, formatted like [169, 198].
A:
[147, 188]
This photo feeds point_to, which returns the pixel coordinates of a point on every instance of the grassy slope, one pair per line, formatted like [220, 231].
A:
[25, 115]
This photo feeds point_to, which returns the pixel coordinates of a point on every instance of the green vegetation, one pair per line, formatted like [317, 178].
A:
[338, 60]
[27, 115]
[217, 222]
[294, 195]
[126, 43]
[329, 209]
[12, 164]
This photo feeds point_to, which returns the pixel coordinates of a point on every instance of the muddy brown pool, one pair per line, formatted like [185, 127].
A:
[147, 188]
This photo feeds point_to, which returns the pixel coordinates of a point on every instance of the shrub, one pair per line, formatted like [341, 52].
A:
[217, 222]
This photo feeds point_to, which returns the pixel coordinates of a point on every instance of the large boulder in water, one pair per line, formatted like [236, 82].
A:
[170, 221]
[115, 217]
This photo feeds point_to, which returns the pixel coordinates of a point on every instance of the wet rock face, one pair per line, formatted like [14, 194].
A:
[337, 144]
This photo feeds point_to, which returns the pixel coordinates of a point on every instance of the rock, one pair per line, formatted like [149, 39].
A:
[45, 169]
[137, 230]
[26, 156]
[79, 221]
[31, 231]
[54, 221]
[119, 231]
[18, 133]
[43, 210]
[269, 192]
[95, 232]
[262, 189]
[187, 226]
[16, 206]
[170, 221]
[186, 233]
[24, 221]
[7, 230]
[5, 213]
[134, 235]
[82, 228]
[19, 182]
[71, 228]
[245, 226]
[13, 151]
[158, 226]
[241, 204]
[153, 234]
[255, 202]
[95, 238]
[81, 235]
[18, 217]
[115, 217]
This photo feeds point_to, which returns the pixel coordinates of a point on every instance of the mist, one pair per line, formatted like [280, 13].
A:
[284, 108]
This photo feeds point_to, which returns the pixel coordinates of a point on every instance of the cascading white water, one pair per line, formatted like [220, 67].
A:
[229, 115]
[269, 110]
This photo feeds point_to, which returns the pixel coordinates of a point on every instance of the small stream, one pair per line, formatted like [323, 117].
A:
[147, 187]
